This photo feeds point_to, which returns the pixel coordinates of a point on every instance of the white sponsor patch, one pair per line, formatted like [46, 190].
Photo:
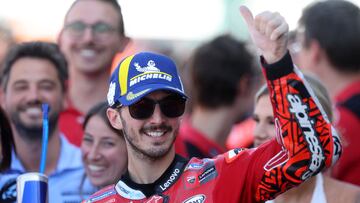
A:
[111, 93]
[232, 155]
[200, 198]
[125, 191]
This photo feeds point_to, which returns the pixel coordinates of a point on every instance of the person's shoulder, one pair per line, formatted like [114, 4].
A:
[68, 149]
[228, 157]
[70, 156]
[339, 191]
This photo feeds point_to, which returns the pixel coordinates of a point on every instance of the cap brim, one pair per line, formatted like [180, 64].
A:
[136, 94]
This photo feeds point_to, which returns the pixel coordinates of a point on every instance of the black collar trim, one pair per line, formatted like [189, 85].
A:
[164, 182]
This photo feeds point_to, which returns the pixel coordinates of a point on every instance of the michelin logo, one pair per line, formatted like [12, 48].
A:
[151, 67]
[149, 72]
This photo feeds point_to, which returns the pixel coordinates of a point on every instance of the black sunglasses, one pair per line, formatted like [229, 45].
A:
[171, 106]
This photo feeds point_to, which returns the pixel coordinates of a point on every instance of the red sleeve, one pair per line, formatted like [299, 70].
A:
[307, 141]
[303, 129]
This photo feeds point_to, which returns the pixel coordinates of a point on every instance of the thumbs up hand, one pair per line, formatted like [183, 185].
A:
[269, 32]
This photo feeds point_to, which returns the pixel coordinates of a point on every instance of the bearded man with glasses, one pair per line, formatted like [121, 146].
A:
[93, 33]
[147, 99]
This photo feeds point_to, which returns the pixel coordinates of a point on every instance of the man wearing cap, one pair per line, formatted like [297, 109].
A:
[146, 98]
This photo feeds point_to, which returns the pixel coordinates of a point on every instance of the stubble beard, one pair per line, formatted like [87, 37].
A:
[151, 154]
[33, 133]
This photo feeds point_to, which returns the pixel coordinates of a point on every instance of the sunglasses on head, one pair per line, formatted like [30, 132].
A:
[171, 106]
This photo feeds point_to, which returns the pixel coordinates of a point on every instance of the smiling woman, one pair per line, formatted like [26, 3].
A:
[103, 148]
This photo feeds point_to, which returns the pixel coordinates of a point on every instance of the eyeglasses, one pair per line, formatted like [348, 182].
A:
[171, 106]
[100, 29]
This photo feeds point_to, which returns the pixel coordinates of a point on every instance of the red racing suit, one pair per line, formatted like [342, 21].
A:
[305, 144]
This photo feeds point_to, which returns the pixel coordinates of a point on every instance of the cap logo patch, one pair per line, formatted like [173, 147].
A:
[151, 67]
[149, 72]
[111, 94]
[131, 96]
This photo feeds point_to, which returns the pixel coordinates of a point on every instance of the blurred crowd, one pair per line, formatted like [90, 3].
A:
[86, 152]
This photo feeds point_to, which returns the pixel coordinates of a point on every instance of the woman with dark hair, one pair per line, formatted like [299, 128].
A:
[103, 148]
[6, 141]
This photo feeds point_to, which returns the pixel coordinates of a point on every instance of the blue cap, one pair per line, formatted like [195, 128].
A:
[138, 75]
